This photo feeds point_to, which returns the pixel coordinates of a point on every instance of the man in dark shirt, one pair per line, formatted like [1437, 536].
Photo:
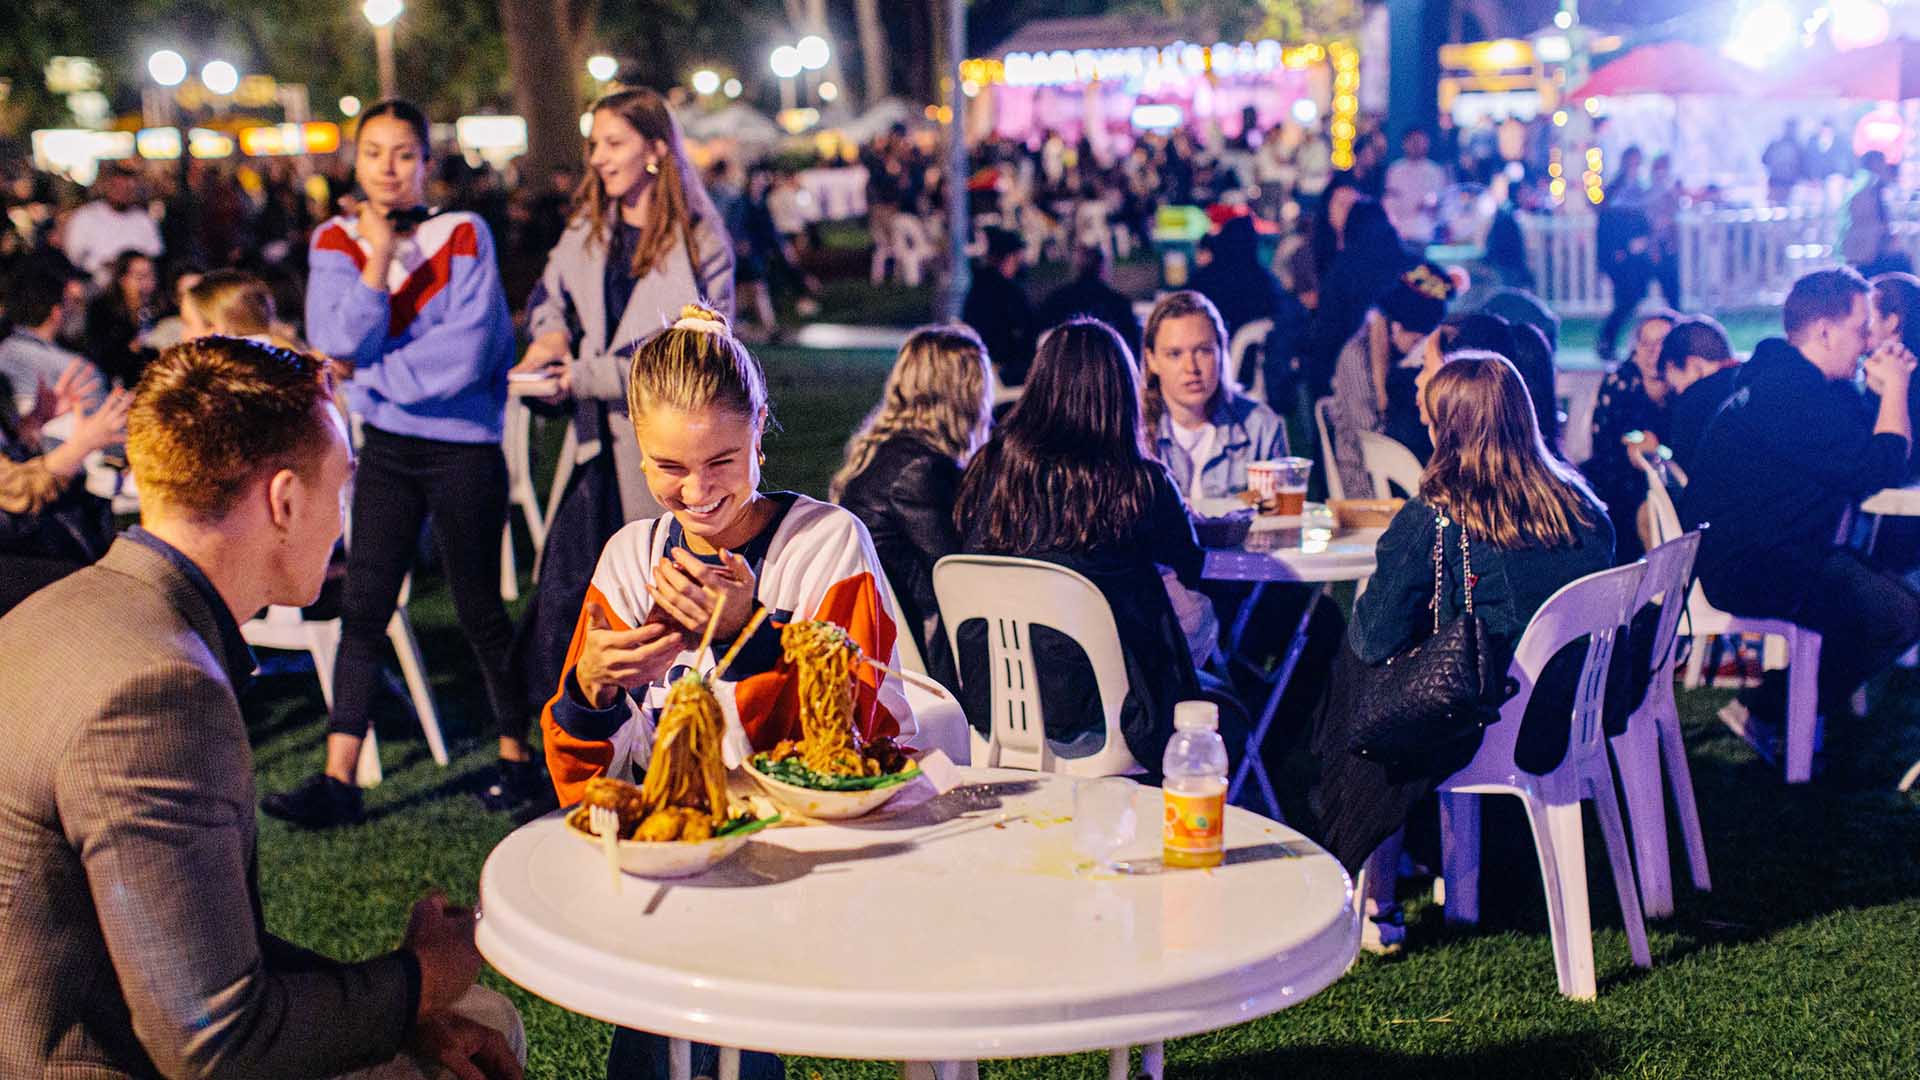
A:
[1701, 372]
[998, 309]
[1090, 294]
[1775, 473]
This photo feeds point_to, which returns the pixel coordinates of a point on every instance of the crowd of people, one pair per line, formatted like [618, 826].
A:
[271, 458]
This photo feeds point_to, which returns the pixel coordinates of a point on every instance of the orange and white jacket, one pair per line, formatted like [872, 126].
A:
[815, 562]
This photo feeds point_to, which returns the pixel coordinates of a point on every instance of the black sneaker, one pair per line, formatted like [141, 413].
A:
[516, 784]
[318, 802]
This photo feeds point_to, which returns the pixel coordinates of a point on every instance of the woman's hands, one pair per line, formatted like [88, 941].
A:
[380, 238]
[614, 660]
[688, 590]
[547, 357]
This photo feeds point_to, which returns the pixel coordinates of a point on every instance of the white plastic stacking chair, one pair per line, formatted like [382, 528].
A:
[1652, 737]
[1596, 607]
[1388, 463]
[1012, 595]
[562, 472]
[517, 444]
[1329, 466]
[1244, 340]
[286, 628]
[1705, 621]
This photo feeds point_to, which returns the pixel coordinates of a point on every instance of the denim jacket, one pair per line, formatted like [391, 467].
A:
[1246, 431]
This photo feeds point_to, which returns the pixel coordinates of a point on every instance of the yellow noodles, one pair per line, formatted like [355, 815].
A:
[824, 657]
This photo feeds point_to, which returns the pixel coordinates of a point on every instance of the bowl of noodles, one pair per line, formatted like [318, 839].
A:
[680, 820]
[828, 773]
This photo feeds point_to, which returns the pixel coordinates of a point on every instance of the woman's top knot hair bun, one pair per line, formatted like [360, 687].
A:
[702, 319]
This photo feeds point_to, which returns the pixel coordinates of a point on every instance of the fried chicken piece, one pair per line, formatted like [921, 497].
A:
[620, 797]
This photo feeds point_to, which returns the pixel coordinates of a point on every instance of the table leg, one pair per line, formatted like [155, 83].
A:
[940, 1070]
[1241, 619]
[679, 1059]
[729, 1063]
[1250, 761]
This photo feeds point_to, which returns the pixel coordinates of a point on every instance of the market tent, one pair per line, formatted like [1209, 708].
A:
[1671, 69]
[1889, 71]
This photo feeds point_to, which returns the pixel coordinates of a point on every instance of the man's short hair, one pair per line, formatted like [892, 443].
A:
[209, 414]
[1695, 335]
[35, 294]
[1822, 295]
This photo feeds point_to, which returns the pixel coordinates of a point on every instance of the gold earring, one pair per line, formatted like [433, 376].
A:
[653, 168]
[763, 457]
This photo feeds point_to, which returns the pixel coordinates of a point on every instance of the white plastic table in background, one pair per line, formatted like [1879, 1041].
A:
[957, 930]
[1312, 555]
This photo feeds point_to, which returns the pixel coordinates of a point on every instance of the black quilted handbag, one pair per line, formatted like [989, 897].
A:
[1437, 692]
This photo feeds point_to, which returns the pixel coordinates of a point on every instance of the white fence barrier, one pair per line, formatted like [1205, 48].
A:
[1729, 259]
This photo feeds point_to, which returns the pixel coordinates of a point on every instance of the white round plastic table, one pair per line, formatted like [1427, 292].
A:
[1314, 554]
[959, 929]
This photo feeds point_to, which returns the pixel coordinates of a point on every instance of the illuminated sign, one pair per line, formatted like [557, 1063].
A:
[1157, 117]
[491, 134]
[1179, 60]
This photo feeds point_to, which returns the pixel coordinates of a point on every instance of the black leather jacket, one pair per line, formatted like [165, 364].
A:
[905, 499]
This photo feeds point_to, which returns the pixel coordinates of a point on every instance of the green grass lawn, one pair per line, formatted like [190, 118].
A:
[1802, 962]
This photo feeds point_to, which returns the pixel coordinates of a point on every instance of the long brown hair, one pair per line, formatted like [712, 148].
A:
[679, 199]
[1068, 469]
[1490, 469]
[940, 391]
[1177, 305]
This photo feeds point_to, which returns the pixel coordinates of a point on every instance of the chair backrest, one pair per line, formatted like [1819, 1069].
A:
[1329, 467]
[1389, 464]
[1666, 519]
[1668, 578]
[1244, 340]
[905, 639]
[1011, 595]
[1594, 607]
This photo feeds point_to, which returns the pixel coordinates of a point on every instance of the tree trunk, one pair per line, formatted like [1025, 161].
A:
[817, 24]
[876, 61]
[543, 56]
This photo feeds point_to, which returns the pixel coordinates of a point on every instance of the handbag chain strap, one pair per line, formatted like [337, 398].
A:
[1439, 562]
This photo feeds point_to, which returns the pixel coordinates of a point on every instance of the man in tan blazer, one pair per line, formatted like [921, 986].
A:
[131, 936]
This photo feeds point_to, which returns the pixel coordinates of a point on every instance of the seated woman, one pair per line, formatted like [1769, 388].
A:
[699, 405]
[1533, 526]
[1198, 422]
[120, 315]
[1633, 400]
[1066, 479]
[1371, 363]
[902, 471]
[49, 525]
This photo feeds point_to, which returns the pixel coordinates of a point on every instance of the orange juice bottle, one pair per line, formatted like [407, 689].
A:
[1194, 788]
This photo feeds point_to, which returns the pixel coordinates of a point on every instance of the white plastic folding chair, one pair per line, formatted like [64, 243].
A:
[1244, 341]
[1652, 738]
[1594, 607]
[1705, 621]
[1329, 466]
[1012, 595]
[1389, 464]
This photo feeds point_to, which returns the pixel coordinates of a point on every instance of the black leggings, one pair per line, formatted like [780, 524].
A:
[400, 480]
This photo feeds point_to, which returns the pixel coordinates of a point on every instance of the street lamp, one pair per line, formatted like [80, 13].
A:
[829, 91]
[167, 67]
[381, 14]
[349, 106]
[602, 67]
[732, 88]
[705, 82]
[220, 77]
[786, 65]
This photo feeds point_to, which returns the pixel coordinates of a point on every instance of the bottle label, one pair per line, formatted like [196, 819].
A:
[1193, 833]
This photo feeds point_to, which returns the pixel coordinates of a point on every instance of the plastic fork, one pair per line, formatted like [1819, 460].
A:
[605, 822]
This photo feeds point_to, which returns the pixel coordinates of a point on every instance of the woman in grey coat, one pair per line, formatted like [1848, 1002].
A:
[645, 240]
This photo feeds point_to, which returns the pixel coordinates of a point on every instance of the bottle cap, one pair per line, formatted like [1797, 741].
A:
[1196, 716]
